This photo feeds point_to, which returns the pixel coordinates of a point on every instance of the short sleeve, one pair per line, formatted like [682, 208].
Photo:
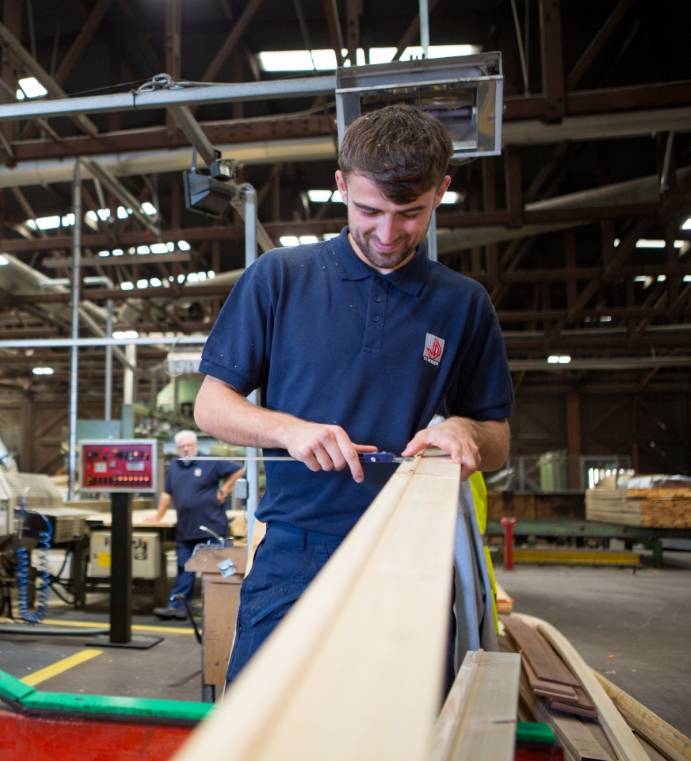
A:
[236, 350]
[227, 468]
[481, 388]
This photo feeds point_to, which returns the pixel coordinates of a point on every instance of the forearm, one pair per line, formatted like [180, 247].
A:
[492, 438]
[224, 413]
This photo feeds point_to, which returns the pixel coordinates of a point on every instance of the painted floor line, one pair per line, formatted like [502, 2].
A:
[104, 625]
[60, 667]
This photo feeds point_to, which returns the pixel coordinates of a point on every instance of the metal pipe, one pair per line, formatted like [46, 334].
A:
[521, 52]
[128, 375]
[74, 350]
[67, 343]
[424, 27]
[108, 386]
[252, 467]
[191, 95]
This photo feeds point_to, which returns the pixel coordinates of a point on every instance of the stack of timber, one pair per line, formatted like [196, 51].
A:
[548, 676]
[647, 508]
[622, 729]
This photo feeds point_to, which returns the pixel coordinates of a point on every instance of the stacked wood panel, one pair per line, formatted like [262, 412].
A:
[647, 508]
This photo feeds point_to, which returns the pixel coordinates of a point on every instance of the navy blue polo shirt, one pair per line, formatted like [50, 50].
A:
[193, 485]
[331, 340]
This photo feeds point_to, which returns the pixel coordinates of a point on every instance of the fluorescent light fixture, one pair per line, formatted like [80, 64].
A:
[122, 213]
[330, 236]
[142, 283]
[124, 334]
[319, 196]
[68, 220]
[4, 261]
[686, 278]
[30, 87]
[170, 246]
[155, 282]
[104, 253]
[325, 59]
[181, 278]
[451, 197]
[289, 240]
[126, 285]
[304, 239]
[117, 252]
[159, 248]
[606, 318]
[210, 274]
[558, 359]
[661, 278]
[687, 224]
[656, 243]
[43, 371]
[645, 279]
[192, 277]
[143, 250]
[47, 223]
[183, 245]
[149, 208]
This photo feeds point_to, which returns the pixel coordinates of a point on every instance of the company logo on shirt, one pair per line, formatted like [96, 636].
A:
[434, 348]
[198, 472]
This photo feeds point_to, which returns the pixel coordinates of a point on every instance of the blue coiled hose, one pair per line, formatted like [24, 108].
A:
[36, 615]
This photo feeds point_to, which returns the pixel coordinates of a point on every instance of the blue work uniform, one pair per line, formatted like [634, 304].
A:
[331, 340]
[193, 485]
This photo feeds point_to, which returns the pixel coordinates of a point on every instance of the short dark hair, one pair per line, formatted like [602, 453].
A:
[404, 150]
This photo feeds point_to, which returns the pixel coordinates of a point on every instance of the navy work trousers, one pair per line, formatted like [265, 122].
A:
[184, 582]
[285, 562]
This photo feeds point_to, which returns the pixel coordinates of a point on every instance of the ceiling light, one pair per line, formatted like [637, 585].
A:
[159, 248]
[148, 208]
[289, 240]
[308, 239]
[142, 283]
[319, 196]
[558, 359]
[123, 334]
[47, 223]
[122, 213]
[43, 371]
[325, 59]
[4, 261]
[451, 197]
[183, 245]
[30, 87]
[155, 282]
[143, 250]
[687, 224]
[126, 285]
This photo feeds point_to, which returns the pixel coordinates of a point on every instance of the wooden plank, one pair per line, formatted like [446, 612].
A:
[545, 662]
[355, 669]
[673, 744]
[581, 744]
[478, 718]
[617, 730]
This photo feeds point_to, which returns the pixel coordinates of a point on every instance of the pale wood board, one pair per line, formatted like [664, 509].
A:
[673, 744]
[355, 669]
[478, 718]
[617, 730]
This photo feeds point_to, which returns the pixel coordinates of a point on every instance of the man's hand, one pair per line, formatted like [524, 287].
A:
[457, 436]
[151, 519]
[324, 447]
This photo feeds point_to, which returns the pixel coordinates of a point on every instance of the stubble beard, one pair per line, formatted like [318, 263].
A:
[382, 261]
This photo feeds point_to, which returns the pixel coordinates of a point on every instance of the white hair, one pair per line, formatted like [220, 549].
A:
[185, 434]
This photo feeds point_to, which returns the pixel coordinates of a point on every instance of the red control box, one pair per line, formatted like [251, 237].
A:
[114, 465]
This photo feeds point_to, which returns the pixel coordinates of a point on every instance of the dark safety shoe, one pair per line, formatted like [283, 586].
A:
[170, 612]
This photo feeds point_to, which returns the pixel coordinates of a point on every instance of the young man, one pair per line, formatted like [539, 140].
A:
[198, 489]
[356, 343]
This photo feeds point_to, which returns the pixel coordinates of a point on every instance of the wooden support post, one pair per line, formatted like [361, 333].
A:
[552, 60]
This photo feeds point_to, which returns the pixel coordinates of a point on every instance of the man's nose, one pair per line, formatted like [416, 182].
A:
[387, 230]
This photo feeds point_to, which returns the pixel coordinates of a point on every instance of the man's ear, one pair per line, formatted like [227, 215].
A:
[341, 185]
[443, 187]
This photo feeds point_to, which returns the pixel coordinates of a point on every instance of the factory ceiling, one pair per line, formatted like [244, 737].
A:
[580, 230]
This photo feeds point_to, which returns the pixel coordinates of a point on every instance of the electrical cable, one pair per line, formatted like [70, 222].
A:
[23, 565]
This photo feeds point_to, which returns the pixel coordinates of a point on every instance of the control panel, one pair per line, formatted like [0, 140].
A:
[115, 465]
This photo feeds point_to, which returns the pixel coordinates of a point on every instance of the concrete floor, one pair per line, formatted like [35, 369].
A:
[635, 628]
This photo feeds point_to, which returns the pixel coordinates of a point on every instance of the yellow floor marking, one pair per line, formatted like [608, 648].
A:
[104, 625]
[61, 666]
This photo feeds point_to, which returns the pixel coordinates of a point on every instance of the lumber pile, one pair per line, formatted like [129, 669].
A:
[547, 675]
[662, 507]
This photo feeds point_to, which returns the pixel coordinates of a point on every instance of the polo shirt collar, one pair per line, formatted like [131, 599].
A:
[409, 279]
